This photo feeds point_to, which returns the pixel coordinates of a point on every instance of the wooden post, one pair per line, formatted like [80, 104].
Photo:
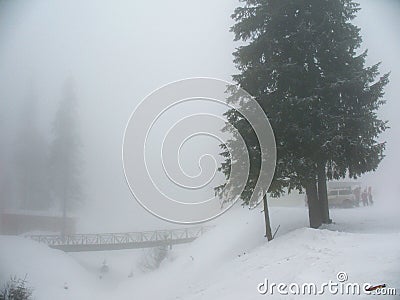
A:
[268, 232]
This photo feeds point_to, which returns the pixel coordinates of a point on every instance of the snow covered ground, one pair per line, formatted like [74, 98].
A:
[228, 262]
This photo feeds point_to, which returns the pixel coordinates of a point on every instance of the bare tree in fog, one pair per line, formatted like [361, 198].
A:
[30, 161]
[7, 177]
[153, 258]
[2, 166]
[65, 164]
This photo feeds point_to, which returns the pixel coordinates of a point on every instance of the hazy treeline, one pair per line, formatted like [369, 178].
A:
[41, 171]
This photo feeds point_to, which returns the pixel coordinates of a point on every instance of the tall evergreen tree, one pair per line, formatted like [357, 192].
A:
[65, 162]
[300, 62]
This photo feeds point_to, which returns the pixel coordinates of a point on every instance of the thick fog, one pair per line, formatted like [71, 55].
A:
[116, 53]
[380, 24]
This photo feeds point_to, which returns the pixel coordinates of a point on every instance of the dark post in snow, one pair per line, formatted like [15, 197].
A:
[268, 232]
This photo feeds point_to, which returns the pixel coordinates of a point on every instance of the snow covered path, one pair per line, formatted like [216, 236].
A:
[231, 260]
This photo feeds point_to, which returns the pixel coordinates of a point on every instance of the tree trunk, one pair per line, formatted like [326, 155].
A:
[268, 232]
[314, 208]
[323, 194]
[64, 213]
[64, 220]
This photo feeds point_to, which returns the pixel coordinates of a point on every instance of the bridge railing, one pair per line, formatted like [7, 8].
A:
[189, 233]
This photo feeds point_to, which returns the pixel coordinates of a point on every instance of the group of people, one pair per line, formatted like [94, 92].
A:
[365, 196]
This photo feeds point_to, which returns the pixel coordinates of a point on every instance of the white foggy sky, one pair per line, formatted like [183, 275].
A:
[380, 27]
[120, 51]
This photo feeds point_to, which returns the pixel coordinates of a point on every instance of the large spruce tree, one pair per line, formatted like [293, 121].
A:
[65, 155]
[302, 63]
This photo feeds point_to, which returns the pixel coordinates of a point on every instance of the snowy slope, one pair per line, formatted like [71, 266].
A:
[228, 262]
[48, 271]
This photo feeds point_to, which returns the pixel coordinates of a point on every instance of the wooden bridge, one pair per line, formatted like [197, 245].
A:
[120, 241]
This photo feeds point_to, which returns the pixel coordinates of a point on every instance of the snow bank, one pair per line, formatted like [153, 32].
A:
[228, 262]
[231, 260]
[52, 273]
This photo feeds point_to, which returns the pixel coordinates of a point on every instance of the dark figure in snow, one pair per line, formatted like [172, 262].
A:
[364, 197]
[357, 195]
[370, 196]
[104, 269]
